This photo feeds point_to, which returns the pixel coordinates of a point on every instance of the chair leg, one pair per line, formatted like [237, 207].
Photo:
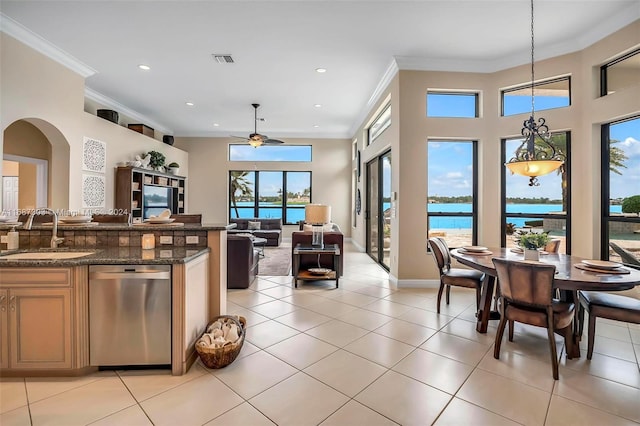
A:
[499, 334]
[440, 295]
[511, 327]
[552, 343]
[567, 333]
[580, 319]
[448, 293]
[592, 334]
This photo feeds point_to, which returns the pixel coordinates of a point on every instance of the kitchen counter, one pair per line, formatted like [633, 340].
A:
[110, 256]
[94, 226]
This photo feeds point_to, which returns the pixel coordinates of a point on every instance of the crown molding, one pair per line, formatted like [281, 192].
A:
[384, 82]
[283, 135]
[126, 111]
[39, 44]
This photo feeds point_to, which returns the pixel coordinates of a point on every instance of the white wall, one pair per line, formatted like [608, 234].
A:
[51, 97]
[209, 165]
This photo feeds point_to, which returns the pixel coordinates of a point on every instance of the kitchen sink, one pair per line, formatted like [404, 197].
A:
[47, 255]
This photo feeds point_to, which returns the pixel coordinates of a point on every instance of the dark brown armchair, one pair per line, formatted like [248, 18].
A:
[453, 276]
[311, 260]
[242, 261]
[527, 296]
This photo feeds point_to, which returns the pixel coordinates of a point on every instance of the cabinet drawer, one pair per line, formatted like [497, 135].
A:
[57, 277]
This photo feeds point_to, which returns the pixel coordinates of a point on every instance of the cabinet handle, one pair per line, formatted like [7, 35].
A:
[2, 298]
[12, 304]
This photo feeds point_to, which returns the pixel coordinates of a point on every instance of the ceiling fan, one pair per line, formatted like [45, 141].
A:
[256, 139]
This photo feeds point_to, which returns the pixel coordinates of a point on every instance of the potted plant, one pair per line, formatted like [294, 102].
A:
[531, 242]
[173, 168]
[157, 160]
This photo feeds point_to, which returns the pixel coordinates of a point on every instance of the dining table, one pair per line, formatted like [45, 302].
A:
[572, 274]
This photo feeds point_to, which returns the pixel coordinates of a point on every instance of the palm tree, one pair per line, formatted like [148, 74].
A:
[617, 157]
[240, 185]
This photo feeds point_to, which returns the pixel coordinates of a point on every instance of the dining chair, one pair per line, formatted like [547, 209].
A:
[625, 255]
[605, 305]
[526, 296]
[449, 276]
[553, 245]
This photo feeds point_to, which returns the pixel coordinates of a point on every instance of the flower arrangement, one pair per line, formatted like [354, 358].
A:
[532, 240]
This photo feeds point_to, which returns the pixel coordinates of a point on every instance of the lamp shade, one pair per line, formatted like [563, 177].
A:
[317, 214]
[534, 167]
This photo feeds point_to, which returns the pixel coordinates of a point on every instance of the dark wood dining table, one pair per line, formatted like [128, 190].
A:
[568, 279]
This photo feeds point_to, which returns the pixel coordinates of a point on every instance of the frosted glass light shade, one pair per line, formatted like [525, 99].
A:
[534, 167]
[316, 214]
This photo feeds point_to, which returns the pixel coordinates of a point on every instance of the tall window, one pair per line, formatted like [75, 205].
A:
[621, 187]
[452, 104]
[452, 191]
[620, 73]
[269, 194]
[547, 94]
[544, 208]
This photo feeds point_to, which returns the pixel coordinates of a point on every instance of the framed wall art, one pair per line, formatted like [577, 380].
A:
[93, 191]
[94, 155]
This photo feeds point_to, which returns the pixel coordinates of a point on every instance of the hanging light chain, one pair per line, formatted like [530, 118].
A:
[532, 69]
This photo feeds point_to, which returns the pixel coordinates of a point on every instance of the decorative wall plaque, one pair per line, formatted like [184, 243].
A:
[93, 191]
[94, 155]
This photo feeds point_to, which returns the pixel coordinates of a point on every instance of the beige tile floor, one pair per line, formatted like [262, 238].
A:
[364, 354]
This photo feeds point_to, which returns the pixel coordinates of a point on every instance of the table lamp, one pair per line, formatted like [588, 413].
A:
[317, 215]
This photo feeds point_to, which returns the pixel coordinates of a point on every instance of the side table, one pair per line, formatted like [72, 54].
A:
[306, 275]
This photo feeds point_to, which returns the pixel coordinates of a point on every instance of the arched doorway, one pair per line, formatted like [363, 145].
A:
[42, 153]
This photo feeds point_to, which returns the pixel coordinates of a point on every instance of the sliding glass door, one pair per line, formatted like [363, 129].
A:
[378, 209]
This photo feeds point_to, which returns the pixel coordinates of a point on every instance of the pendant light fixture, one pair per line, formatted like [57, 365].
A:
[536, 156]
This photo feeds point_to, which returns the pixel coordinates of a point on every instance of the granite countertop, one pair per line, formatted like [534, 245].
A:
[109, 256]
[93, 226]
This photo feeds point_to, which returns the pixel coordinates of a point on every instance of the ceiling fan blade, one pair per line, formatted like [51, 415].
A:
[272, 142]
[239, 137]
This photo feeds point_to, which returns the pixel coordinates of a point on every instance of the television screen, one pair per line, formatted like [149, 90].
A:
[155, 200]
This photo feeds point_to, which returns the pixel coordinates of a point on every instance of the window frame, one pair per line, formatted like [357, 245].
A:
[269, 147]
[256, 196]
[475, 94]
[475, 193]
[384, 124]
[503, 196]
[535, 84]
[604, 77]
[605, 189]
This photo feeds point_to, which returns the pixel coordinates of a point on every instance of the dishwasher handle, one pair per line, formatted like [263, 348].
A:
[121, 275]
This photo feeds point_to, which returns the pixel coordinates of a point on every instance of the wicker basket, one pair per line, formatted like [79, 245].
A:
[221, 357]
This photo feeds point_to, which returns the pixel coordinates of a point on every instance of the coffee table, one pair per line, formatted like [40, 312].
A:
[260, 243]
[305, 274]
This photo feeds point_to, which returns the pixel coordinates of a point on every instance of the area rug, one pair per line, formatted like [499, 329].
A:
[276, 261]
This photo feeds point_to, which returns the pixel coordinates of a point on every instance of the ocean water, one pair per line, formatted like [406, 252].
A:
[295, 215]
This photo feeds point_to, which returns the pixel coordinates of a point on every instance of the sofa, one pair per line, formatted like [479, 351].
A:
[242, 261]
[311, 260]
[270, 229]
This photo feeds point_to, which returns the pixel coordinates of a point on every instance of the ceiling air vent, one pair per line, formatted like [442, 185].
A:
[223, 58]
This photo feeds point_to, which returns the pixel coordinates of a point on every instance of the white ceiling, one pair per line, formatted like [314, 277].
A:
[277, 45]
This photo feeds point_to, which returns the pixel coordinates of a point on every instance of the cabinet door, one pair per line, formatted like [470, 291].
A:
[4, 329]
[40, 328]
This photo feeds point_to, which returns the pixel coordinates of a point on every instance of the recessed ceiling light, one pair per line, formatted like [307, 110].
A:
[144, 67]
[189, 103]
[316, 125]
[215, 125]
[318, 105]
[321, 70]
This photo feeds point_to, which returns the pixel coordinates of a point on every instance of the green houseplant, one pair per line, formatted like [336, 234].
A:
[173, 167]
[157, 160]
[531, 242]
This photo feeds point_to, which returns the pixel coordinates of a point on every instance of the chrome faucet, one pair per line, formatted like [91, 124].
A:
[55, 240]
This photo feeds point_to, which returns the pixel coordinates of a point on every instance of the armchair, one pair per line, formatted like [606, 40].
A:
[242, 261]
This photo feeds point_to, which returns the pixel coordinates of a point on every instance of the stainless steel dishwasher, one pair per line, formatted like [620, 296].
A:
[129, 315]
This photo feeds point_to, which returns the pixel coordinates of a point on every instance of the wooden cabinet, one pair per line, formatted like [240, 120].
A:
[4, 329]
[144, 192]
[37, 321]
